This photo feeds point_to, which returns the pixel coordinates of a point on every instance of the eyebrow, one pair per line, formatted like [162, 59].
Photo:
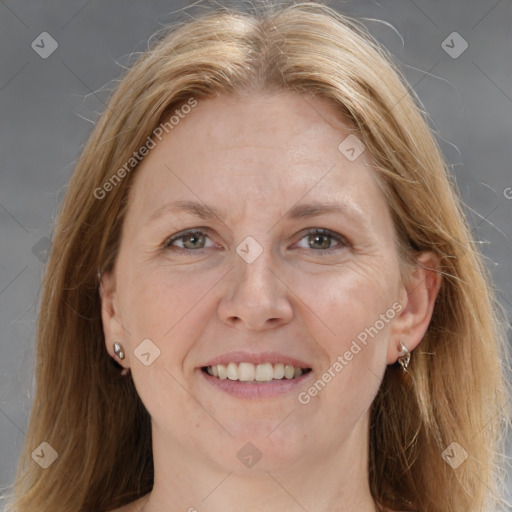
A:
[300, 211]
[200, 210]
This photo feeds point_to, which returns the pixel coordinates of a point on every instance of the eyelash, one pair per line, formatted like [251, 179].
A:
[342, 241]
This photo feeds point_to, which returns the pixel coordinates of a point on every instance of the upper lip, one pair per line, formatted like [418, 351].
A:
[241, 356]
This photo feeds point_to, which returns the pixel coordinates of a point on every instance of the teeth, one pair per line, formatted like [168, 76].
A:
[278, 371]
[264, 372]
[222, 371]
[232, 371]
[248, 372]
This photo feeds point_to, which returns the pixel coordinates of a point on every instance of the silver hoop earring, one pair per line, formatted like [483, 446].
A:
[118, 350]
[405, 357]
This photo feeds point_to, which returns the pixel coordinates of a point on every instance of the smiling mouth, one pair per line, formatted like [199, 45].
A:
[249, 372]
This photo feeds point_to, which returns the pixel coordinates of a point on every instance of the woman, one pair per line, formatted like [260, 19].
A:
[262, 293]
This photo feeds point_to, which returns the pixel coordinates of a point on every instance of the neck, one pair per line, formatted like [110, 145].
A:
[333, 481]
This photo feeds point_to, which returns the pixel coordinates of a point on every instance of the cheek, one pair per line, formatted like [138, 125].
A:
[350, 320]
[346, 303]
[169, 308]
[165, 305]
[150, 306]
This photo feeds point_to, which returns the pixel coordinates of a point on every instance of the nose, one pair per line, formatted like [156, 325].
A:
[256, 296]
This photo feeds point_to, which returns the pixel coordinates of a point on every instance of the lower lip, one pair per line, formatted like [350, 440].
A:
[256, 389]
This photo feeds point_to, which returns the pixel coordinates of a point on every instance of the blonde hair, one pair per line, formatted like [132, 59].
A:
[95, 419]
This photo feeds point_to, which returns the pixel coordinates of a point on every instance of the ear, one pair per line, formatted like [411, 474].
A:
[420, 295]
[113, 328]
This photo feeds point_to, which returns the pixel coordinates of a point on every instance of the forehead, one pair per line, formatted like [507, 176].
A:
[238, 149]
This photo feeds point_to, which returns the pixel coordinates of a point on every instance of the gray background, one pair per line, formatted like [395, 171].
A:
[48, 107]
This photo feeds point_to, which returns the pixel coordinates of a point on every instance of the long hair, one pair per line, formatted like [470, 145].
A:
[451, 407]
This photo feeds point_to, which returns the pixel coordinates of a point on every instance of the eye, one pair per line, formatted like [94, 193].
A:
[321, 240]
[192, 239]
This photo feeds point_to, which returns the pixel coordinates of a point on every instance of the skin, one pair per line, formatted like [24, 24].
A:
[256, 157]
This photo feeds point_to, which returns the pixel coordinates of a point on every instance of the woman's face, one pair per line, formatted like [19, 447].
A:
[296, 267]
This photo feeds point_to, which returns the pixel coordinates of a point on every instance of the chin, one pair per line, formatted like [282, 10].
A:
[262, 447]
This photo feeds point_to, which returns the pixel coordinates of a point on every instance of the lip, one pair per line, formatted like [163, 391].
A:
[241, 356]
[254, 390]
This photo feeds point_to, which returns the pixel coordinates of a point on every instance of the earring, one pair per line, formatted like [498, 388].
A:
[118, 350]
[405, 357]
